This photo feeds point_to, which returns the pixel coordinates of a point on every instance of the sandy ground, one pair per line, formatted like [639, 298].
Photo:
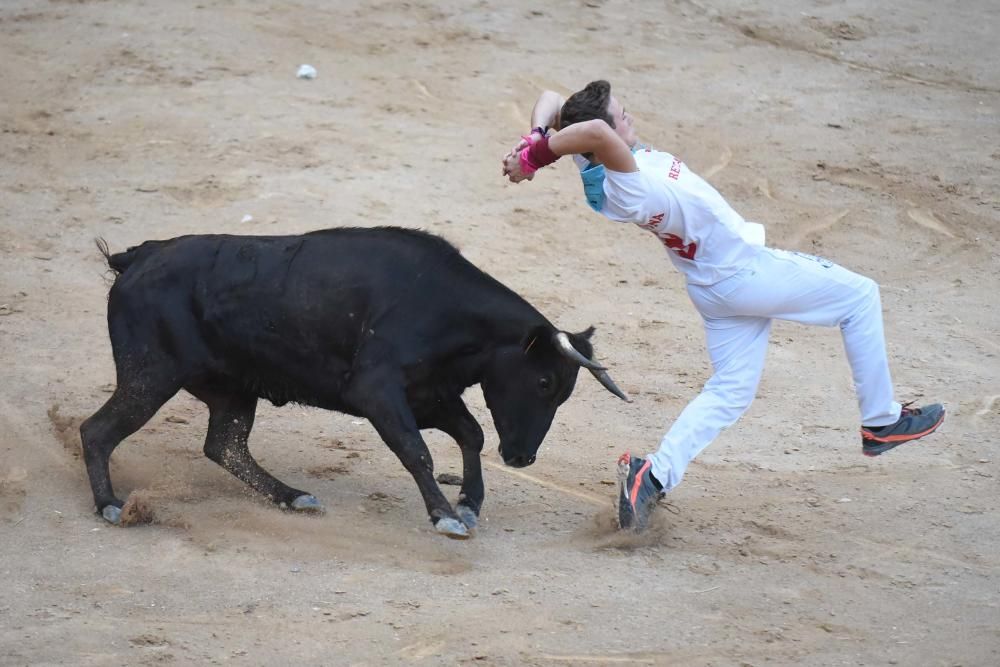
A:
[864, 132]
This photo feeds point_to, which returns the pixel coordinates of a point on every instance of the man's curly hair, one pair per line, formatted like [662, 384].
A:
[588, 104]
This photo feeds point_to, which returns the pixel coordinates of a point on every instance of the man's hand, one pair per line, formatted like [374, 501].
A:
[512, 160]
[512, 165]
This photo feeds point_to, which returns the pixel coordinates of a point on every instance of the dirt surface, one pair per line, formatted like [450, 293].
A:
[860, 131]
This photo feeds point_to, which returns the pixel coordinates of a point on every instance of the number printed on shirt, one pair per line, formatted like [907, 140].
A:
[676, 243]
[671, 241]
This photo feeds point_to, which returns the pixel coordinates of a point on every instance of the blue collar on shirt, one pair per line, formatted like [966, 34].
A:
[593, 182]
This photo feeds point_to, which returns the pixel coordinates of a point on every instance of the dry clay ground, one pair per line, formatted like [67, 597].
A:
[863, 132]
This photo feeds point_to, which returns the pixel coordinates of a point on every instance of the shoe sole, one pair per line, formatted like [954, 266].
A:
[893, 441]
[630, 496]
[624, 468]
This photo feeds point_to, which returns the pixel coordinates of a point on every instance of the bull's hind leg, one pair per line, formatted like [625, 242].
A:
[230, 420]
[132, 405]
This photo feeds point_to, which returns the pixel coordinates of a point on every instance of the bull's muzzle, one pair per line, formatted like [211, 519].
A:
[516, 461]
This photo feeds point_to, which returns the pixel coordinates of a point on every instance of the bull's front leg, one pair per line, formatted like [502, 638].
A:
[453, 418]
[383, 402]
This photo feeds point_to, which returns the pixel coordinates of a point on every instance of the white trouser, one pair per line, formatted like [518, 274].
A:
[737, 312]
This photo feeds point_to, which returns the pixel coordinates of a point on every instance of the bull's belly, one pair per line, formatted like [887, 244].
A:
[318, 383]
[279, 393]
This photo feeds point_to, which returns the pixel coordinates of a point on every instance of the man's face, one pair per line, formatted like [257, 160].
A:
[623, 122]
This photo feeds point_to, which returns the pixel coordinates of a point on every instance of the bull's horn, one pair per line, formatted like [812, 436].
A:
[598, 371]
[567, 349]
[609, 384]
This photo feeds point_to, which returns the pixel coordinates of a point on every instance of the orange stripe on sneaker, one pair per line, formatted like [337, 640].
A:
[634, 493]
[904, 436]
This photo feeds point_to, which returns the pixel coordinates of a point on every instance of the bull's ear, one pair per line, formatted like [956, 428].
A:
[581, 341]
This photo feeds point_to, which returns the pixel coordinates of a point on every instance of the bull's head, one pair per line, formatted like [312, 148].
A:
[525, 384]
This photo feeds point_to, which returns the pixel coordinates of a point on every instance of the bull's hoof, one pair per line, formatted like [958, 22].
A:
[452, 528]
[307, 503]
[467, 515]
[112, 514]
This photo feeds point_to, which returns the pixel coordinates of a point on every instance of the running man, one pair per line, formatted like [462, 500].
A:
[736, 283]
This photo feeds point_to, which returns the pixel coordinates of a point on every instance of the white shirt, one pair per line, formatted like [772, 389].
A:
[704, 237]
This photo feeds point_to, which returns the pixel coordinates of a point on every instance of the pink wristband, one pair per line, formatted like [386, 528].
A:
[536, 156]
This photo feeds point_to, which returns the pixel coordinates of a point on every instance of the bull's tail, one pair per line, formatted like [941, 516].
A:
[120, 261]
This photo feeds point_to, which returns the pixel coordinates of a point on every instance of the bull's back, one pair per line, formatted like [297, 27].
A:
[325, 290]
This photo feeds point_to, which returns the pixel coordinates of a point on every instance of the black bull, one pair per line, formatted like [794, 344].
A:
[387, 324]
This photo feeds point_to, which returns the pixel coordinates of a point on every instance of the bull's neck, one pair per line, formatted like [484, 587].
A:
[496, 326]
[494, 317]
[509, 323]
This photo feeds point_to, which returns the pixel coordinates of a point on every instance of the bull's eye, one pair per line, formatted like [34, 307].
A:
[544, 384]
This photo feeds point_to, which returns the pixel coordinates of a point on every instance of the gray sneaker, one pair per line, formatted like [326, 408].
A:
[913, 423]
[638, 492]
